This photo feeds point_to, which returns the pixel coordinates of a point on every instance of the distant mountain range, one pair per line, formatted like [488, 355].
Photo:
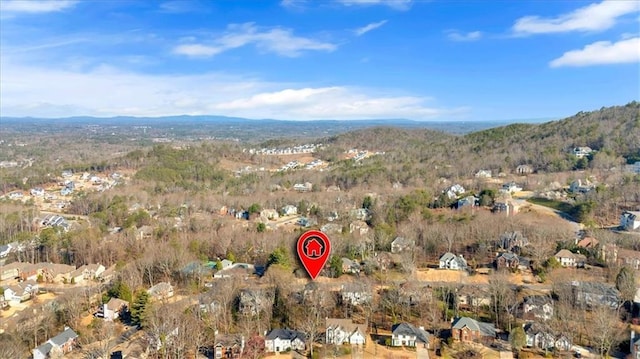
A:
[322, 127]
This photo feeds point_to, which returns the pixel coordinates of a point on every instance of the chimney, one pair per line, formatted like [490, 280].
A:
[633, 335]
[242, 343]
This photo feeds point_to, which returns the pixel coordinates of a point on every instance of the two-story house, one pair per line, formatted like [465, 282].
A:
[451, 261]
[355, 293]
[408, 335]
[57, 346]
[280, 340]
[113, 309]
[228, 346]
[535, 307]
[345, 331]
[630, 220]
[569, 259]
[466, 329]
[402, 244]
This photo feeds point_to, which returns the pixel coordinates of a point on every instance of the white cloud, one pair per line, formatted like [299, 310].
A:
[401, 5]
[277, 40]
[594, 17]
[460, 36]
[601, 53]
[35, 6]
[46, 92]
[372, 26]
[197, 50]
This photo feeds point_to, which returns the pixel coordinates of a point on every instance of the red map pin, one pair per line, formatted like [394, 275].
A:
[313, 248]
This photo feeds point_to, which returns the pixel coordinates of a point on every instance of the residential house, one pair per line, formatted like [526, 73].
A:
[569, 259]
[634, 343]
[454, 191]
[55, 272]
[407, 335]
[537, 307]
[228, 346]
[280, 340]
[11, 270]
[77, 276]
[591, 294]
[355, 293]
[578, 186]
[512, 261]
[16, 195]
[162, 290]
[303, 187]
[37, 192]
[113, 309]
[360, 214]
[255, 300]
[269, 214]
[473, 297]
[451, 261]
[29, 271]
[345, 331]
[524, 169]
[402, 244]
[540, 336]
[582, 152]
[289, 210]
[21, 291]
[512, 241]
[92, 271]
[57, 346]
[630, 220]
[466, 329]
[587, 243]
[5, 249]
[331, 228]
[499, 207]
[629, 258]
[510, 187]
[350, 266]
[468, 201]
[483, 174]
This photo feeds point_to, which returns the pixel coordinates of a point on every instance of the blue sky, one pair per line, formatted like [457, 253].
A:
[323, 59]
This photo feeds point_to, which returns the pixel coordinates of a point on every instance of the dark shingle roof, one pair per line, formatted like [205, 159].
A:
[487, 329]
[286, 334]
[64, 337]
[410, 330]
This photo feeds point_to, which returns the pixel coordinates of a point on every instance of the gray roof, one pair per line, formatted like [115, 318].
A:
[447, 256]
[537, 300]
[45, 348]
[408, 329]
[64, 337]
[286, 334]
[486, 329]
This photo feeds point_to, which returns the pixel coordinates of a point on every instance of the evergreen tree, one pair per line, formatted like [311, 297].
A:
[139, 308]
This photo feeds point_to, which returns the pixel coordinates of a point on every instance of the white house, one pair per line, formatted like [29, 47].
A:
[451, 261]
[161, 290]
[402, 244]
[112, 309]
[345, 331]
[569, 259]
[581, 152]
[630, 220]
[280, 340]
[510, 187]
[289, 210]
[405, 334]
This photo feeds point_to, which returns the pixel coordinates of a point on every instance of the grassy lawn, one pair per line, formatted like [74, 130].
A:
[554, 204]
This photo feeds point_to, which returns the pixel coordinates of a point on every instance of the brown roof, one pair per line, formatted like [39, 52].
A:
[588, 242]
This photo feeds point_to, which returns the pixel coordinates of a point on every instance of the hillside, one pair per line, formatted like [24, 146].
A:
[614, 132]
